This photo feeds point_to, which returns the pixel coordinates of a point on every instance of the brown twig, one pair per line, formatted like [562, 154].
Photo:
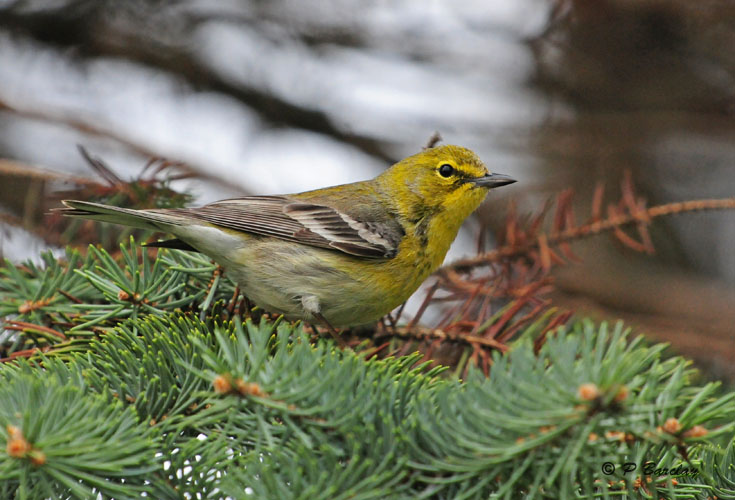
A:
[71, 297]
[591, 229]
[95, 131]
[434, 139]
[23, 326]
[26, 353]
[18, 169]
[423, 334]
[424, 305]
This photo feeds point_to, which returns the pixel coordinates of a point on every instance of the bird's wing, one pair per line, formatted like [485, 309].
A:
[308, 223]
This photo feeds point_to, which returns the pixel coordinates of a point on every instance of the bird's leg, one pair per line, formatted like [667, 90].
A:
[314, 329]
[311, 305]
[332, 331]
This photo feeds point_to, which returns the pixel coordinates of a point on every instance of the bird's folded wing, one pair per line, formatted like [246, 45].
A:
[306, 223]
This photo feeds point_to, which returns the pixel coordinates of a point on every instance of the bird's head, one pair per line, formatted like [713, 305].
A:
[448, 179]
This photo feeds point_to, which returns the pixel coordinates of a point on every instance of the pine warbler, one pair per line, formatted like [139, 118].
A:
[347, 254]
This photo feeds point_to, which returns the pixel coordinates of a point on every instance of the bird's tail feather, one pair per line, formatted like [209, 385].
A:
[157, 220]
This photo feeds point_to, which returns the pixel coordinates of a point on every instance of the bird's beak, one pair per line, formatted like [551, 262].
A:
[493, 180]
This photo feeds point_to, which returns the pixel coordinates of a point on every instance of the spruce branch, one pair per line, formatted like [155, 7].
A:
[549, 414]
[65, 443]
[68, 301]
[229, 406]
[718, 466]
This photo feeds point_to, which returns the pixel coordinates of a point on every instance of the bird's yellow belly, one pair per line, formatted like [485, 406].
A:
[294, 279]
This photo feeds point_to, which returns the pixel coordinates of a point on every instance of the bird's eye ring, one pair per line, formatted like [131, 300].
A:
[446, 170]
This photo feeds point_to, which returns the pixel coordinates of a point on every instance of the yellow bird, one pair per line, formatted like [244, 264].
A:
[345, 255]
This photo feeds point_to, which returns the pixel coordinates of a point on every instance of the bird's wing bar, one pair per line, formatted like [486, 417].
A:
[306, 223]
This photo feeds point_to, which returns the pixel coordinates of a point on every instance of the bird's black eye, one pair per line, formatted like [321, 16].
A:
[446, 170]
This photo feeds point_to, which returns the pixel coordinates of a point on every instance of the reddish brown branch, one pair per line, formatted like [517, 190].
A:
[26, 354]
[23, 326]
[424, 334]
[593, 228]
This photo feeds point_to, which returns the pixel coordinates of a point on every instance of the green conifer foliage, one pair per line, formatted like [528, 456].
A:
[144, 384]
